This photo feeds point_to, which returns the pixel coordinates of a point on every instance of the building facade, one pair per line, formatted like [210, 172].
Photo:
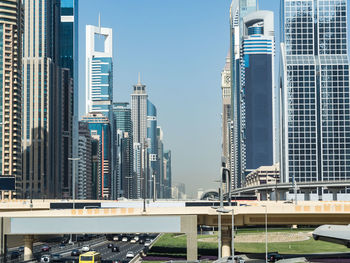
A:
[41, 134]
[123, 125]
[84, 180]
[257, 90]
[100, 131]
[314, 92]
[167, 174]
[99, 71]
[154, 179]
[139, 99]
[69, 62]
[11, 30]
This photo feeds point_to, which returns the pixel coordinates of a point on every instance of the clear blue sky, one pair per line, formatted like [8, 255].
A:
[179, 46]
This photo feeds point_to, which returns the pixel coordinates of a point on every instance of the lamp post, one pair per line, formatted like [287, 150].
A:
[265, 232]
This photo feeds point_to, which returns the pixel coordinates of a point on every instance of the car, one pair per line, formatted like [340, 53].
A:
[15, 254]
[75, 253]
[238, 259]
[62, 245]
[137, 238]
[141, 241]
[273, 256]
[85, 248]
[130, 254]
[125, 239]
[133, 241]
[147, 243]
[110, 245]
[21, 249]
[56, 257]
[45, 248]
[45, 258]
[115, 249]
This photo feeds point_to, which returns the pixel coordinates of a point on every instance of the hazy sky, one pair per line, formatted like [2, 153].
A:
[179, 47]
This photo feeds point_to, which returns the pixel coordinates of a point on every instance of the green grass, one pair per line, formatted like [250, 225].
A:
[299, 247]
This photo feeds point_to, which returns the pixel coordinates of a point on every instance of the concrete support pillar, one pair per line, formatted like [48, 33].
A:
[335, 191]
[226, 241]
[28, 247]
[192, 247]
[189, 226]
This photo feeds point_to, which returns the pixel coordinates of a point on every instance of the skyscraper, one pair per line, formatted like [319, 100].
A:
[100, 130]
[122, 117]
[153, 149]
[160, 157]
[42, 131]
[84, 180]
[69, 62]
[315, 139]
[257, 89]
[167, 174]
[99, 70]
[139, 119]
[226, 110]
[11, 26]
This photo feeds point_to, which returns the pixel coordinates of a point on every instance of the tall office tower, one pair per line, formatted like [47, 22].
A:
[11, 28]
[84, 180]
[154, 179]
[257, 86]
[160, 165]
[139, 99]
[122, 117]
[69, 62]
[100, 130]
[99, 71]
[167, 174]
[137, 170]
[226, 111]
[96, 167]
[41, 136]
[315, 119]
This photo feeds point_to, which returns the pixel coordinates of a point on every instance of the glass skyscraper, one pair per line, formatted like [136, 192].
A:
[100, 130]
[257, 86]
[315, 131]
[123, 124]
[153, 149]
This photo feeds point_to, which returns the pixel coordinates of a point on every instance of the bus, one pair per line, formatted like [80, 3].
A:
[90, 257]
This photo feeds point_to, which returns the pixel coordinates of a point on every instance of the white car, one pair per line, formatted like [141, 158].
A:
[137, 238]
[45, 258]
[147, 243]
[125, 239]
[130, 254]
[85, 248]
[133, 241]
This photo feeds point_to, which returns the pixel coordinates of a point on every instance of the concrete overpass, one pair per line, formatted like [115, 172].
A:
[166, 217]
[281, 189]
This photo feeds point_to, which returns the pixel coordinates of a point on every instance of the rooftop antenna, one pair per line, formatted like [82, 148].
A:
[139, 79]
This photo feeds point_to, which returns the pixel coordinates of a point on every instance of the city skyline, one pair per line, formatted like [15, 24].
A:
[164, 36]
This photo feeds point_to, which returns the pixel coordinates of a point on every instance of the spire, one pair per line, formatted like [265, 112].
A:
[139, 79]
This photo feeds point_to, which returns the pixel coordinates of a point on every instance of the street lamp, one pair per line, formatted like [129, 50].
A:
[265, 232]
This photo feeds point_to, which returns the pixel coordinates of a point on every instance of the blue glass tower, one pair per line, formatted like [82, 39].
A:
[152, 148]
[257, 85]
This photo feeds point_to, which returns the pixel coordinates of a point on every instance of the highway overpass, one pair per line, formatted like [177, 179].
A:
[160, 217]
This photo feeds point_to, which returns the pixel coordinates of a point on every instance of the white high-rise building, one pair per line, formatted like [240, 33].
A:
[99, 70]
[139, 99]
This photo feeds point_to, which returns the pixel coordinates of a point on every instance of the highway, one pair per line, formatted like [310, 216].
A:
[99, 244]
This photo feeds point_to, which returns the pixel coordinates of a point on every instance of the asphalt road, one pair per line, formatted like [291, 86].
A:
[97, 244]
